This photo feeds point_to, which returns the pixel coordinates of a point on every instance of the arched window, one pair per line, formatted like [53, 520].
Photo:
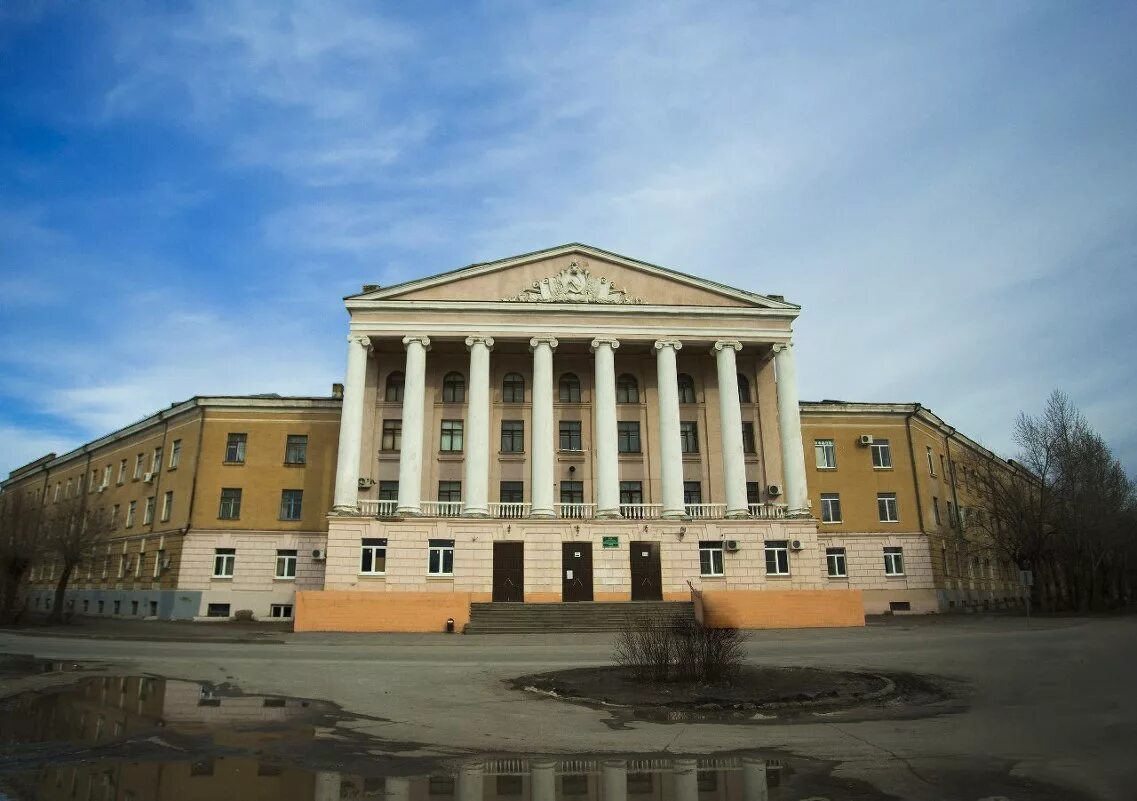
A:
[627, 389]
[453, 388]
[743, 389]
[569, 388]
[686, 388]
[513, 388]
[394, 390]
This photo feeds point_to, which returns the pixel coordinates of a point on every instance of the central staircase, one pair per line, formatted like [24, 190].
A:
[521, 618]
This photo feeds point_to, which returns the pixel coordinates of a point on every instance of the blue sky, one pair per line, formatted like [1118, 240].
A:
[187, 189]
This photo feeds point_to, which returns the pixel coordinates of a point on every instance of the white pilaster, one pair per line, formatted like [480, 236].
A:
[686, 778]
[604, 438]
[754, 787]
[614, 780]
[414, 397]
[730, 425]
[346, 498]
[470, 781]
[670, 444]
[543, 780]
[476, 482]
[543, 443]
[789, 431]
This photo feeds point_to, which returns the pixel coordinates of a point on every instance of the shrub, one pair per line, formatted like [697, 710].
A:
[243, 614]
[657, 647]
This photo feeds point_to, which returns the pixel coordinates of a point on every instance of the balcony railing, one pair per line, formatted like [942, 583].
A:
[442, 508]
[369, 507]
[768, 511]
[510, 511]
[576, 511]
[641, 511]
[705, 511]
[373, 508]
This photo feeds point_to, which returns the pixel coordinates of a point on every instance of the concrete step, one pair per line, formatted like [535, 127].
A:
[582, 616]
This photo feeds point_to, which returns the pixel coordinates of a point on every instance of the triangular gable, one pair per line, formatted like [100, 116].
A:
[573, 273]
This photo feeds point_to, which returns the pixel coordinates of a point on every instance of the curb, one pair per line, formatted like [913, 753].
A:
[142, 638]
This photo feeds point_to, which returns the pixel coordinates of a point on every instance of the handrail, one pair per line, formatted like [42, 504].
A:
[641, 511]
[576, 511]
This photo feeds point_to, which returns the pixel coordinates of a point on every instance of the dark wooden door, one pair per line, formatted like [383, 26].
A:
[509, 571]
[647, 579]
[576, 571]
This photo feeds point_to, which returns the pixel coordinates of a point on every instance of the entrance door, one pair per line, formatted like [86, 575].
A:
[647, 580]
[509, 571]
[576, 571]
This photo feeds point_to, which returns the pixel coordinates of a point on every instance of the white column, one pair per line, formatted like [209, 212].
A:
[470, 780]
[346, 498]
[397, 788]
[670, 444]
[414, 396]
[614, 780]
[789, 431]
[543, 780]
[730, 425]
[476, 482]
[326, 783]
[754, 786]
[686, 778]
[604, 442]
[543, 444]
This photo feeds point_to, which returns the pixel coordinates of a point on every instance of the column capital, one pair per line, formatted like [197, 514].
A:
[674, 344]
[723, 344]
[361, 340]
[421, 339]
[778, 347]
[536, 342]
[599, 341]
[476, 339]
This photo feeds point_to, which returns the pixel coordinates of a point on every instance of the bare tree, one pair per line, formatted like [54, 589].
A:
[20, 547]
[70, 532]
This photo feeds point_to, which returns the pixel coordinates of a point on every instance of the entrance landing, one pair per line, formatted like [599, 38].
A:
[519, 618]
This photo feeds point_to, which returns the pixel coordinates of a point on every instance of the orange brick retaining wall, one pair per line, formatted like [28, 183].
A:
[783, 609]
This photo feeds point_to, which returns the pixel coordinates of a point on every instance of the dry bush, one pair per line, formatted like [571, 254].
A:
[658, 647]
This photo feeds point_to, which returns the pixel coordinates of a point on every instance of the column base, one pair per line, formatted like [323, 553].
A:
[349, 511]
[738, 514]
[607, 514]
[543, 514]
[674, 514]
[478, 513]
[408, 511]
[799, 514]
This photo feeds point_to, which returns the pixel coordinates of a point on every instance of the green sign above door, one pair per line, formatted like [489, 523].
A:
[611, 542]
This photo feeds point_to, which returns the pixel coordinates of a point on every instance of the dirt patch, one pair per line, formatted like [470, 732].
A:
[758, 693]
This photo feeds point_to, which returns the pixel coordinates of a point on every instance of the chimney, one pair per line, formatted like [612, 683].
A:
[781, 298]
[337, 390]
[370, 287]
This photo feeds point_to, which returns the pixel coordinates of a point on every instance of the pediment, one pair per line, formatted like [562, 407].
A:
[573, 274]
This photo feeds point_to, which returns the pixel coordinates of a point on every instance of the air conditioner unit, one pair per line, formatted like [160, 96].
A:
[166, 563]
[102, 488]
[732, 545]
[865, 439]
[773, 490]
[318, 555]
[148, 477]
[795, 545]
[366, 483]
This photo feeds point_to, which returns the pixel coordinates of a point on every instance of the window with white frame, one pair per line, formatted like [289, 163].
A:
[777, 558]
[835, 564]
[122, 471]
[830, 507]
[881, 454]
[450, 440]
[224, 561]
[931, 461]
[689, 436]
[826, 452]
[106, 476]
[235, 448]
[280, 611]
[148, 514]
[167, 505]
[373, 556]
[175, 454]
[392, 435]
[58, 490]
[156, 463]
[159, 562]
[230, 508]
[893, 561]
[710, 558]
[139, 462]
[440, 558]
[286, 564]
[886, 507]
[131, 510]
[936, 509]
[114, 516]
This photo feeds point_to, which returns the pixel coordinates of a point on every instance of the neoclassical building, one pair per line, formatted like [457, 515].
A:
[562, 426]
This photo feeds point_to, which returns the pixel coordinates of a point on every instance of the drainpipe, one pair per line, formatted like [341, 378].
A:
[196, 467]
[951, 478]
[159, 471]
[912, 462]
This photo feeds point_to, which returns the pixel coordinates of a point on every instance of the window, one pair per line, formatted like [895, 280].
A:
[388, 490]
[689, 436]
[167, 505]
[58, 489]
[753, 492]
[156, 463]
[118, 608]
[931, 463]
[451, 440]
[450, 491]
[454, 388]
[570, 435]
[392, 435]
[296, 449]
[286, 564]
[513, 388]
[692, 492]
[511, 492]
[710, 558]
[569, 388]
[148, 514]
[835, 563]
[131, 510]
[121, 477]
[235, 448]
[224, 560]
[175, 454]
[950, 514]
[830, 507]
[943, 466]
[826, 453]
[393, 393]
[512, 436]
[936, 509]
[159, 560]
[373, 556]
[631, 492]
[114, 516]
[278, 611]
[440, 558]
[777, 558]
[894, 561]
[106, 476]
[881, 454]
[627, 389]
[748, 442]
[886, 507]
[213, 610]
[686, 388]
[572, 492]
[291, 504]
[743, 389]
[628, 436]
[230, 504]
[139, 461]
